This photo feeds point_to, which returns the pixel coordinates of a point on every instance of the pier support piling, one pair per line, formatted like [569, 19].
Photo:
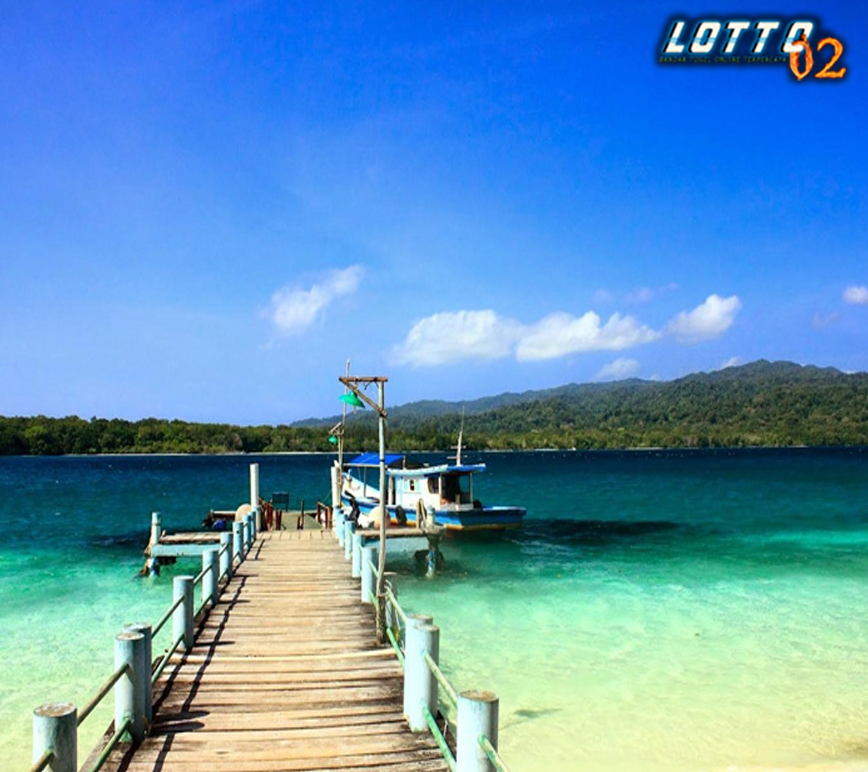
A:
[182, 619]
[55, 730]
[369, 582]
[420, 686]
[129, 690]
[477, 716]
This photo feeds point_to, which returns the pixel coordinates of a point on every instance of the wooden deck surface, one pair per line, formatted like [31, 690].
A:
[285, 674]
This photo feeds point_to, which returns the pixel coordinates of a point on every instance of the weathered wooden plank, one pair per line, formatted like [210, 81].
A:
[424, 761]
[284, 676]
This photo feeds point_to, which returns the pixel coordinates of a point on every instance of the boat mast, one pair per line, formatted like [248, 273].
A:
[460, 439]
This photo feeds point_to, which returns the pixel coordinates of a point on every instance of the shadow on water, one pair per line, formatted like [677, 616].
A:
[524, 715]
[589, 532]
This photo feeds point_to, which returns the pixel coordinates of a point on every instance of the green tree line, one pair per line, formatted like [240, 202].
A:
[771, 404]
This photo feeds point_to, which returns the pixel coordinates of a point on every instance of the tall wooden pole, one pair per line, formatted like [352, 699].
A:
[384, 498]
[341, 441]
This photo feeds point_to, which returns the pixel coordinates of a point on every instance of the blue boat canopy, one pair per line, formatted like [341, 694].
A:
[373, 459]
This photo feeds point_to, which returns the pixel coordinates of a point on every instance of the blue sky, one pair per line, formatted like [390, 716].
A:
[207, 208]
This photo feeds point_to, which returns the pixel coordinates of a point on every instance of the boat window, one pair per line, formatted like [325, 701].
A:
[452, 489]
[432, 485]
[412, 484]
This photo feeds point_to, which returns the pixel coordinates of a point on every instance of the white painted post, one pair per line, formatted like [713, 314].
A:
[147, 666]
[477, 716]
[245, 534]
[349, 530]
[226, 555]
[336, 490]
[357, 555]
[129, 690]
[254, 525]
[369, 582]
[210, 592]
[420, 686]
[55, 729]
[237, 542]
[182, 619]
[254, 486]
[338, 525]
[156, 527]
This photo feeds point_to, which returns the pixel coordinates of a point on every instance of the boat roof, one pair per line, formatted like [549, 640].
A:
[431, 471]
[398, 467]
[373, 459]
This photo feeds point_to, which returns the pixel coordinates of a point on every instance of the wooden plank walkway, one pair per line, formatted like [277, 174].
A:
[285, 674]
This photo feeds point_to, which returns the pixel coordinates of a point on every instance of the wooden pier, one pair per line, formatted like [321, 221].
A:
[278, 668]
[284, 674]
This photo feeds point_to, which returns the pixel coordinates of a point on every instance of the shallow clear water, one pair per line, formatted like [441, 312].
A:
[659, 611]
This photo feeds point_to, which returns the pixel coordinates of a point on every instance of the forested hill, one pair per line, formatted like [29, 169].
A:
[762, 403]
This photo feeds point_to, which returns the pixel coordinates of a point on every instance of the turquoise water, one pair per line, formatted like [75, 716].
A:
[659, 611]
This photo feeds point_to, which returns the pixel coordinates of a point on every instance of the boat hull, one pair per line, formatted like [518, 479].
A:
[475, 519]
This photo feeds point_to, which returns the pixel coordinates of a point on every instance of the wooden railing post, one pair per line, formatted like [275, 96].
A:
[338, 521]
[226, 555]
[55, 729]
[369, 582]
[420, 686]
[246, 539]
[182, 619]
[254, 487]
[357, 555]
[147, 662]
[349, 530]
[237, 542]
[210, 589]
[130, 690]
[477, 716]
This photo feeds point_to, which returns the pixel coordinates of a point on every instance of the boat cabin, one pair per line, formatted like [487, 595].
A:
[440, 487]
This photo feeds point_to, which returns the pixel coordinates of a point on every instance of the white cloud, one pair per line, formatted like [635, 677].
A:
[455, 336]
[620, 368]
[857, 296]
[560, 334]
[731, 362]
[450, 337]
[293, 309]
[707, 321]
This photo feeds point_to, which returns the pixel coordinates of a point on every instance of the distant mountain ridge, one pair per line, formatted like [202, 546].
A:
[760, 372]
[761, 403]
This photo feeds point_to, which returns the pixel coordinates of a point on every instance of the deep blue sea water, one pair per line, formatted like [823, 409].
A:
[703, 610]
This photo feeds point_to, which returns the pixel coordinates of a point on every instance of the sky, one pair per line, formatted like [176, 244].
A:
[206, 209]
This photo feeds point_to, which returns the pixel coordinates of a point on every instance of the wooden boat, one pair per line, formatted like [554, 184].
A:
[443, 494]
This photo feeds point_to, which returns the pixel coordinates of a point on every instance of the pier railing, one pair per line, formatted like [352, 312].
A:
[55, 724]
[470, 716]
